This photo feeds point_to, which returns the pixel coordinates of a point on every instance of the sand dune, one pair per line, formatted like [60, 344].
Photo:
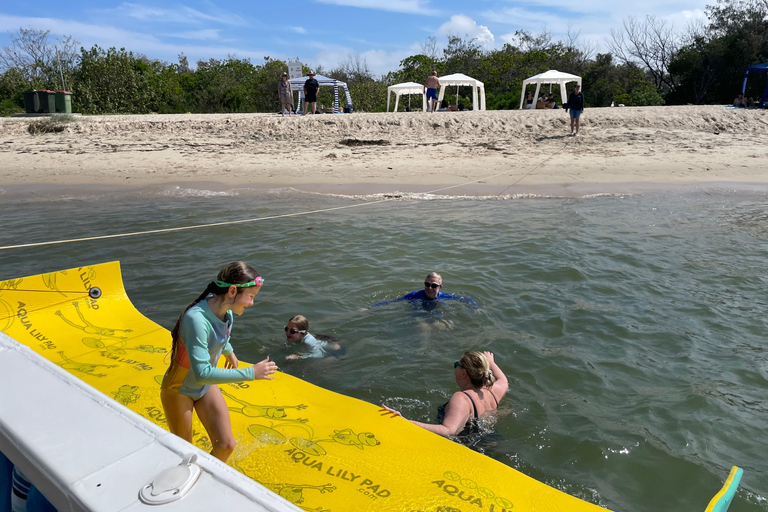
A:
[618, 150]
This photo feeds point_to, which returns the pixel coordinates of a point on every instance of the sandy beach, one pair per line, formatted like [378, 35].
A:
[619, 150]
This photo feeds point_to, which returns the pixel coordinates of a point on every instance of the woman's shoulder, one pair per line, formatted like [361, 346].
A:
[461, 397]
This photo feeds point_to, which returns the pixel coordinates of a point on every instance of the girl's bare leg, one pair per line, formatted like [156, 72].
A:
[214, 415]
[178, 413]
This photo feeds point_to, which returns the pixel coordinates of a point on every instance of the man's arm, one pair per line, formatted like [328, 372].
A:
[408, 296]
[461, 298]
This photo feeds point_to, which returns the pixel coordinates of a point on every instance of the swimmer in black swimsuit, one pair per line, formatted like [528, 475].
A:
[482, 384]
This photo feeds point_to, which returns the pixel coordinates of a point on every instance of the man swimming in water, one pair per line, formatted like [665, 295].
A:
[431, 294]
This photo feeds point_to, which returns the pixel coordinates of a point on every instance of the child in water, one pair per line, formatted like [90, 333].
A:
[297, 331]
[200, 337]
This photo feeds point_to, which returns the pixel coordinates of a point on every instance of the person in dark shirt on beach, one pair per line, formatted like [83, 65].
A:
[431, 295]
[311, 86]
[576, 106]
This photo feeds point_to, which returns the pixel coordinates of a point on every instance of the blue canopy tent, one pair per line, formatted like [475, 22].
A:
[757, 68]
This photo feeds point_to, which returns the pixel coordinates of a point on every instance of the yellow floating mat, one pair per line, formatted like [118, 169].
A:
[322, 451]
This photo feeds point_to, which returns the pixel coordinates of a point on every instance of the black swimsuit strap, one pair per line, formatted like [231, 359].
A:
[494, 397]
[474, 407]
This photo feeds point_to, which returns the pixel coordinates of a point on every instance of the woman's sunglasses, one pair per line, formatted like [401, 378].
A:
[457, 364]
[431, 285]
[292, 331]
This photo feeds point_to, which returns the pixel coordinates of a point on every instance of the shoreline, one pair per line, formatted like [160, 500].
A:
[619, 150]
[367, 191]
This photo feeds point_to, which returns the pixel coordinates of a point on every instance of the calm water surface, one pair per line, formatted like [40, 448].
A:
[633, 329]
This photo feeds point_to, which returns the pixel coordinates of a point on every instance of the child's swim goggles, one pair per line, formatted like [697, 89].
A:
[256, 282]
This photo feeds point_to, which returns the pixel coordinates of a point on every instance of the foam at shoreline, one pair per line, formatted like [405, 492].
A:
[366, 192]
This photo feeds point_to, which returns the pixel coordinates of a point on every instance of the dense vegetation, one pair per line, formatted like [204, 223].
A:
[648, 64]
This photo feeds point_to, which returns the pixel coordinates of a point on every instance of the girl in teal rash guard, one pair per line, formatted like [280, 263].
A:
[200, 337]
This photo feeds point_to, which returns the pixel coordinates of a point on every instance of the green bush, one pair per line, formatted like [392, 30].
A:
[8, 107]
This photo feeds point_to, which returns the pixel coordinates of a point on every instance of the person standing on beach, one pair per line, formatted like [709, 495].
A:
[576, 106]
[285, 92]
[310, 92]
[430, 88]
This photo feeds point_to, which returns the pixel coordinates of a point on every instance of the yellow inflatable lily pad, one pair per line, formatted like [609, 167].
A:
[318, 449]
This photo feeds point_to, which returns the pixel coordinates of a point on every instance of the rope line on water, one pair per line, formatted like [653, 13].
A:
[184, 228]
[271, 217]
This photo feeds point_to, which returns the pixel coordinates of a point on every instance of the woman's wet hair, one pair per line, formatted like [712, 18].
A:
[237, 272]
[478, 369]
[300, 322]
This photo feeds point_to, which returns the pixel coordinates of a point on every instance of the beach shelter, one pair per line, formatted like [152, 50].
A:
[459, 79]
[552, 76]
[297, 84]
[406, 88]
[757, 68]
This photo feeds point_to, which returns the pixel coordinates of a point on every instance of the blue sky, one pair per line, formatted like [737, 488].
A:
[324, 32]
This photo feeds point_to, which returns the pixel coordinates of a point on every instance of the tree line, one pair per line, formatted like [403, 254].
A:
[648, 63]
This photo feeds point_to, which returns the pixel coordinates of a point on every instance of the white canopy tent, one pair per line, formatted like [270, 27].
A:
[407, 88]
[552, 76]
[459, 79]
[297, 84]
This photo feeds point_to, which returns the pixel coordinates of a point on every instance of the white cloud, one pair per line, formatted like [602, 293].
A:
[461, 25]
[405, 6]
[379, 62]
[184, 14]
[299, 30]
[138, 43]
[593, 22]
[201, 35]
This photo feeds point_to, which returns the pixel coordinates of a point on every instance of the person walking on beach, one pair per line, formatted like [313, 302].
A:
[285, 92]
[311, 87]
[430, 88]
[200, 337]
[576, 106]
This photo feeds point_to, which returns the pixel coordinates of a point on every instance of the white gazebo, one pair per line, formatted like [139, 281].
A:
[407, 88]
[297, 84]
[552, 76]
[459, 79]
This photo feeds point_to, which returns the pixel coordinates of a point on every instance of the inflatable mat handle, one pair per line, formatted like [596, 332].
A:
[173, 483]
[722, 500]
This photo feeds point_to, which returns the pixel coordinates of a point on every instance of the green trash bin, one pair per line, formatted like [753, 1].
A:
[63, 102]
[31, 102]
[47, 101]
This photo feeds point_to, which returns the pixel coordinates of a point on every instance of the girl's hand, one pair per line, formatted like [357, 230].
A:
[388, 409]
[264, 369]
[489, 356]
[230, 361]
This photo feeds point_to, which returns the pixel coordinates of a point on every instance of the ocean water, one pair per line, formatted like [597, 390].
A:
[632, 328]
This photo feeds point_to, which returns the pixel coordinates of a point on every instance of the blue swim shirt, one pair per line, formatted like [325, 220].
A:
[422, 296]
